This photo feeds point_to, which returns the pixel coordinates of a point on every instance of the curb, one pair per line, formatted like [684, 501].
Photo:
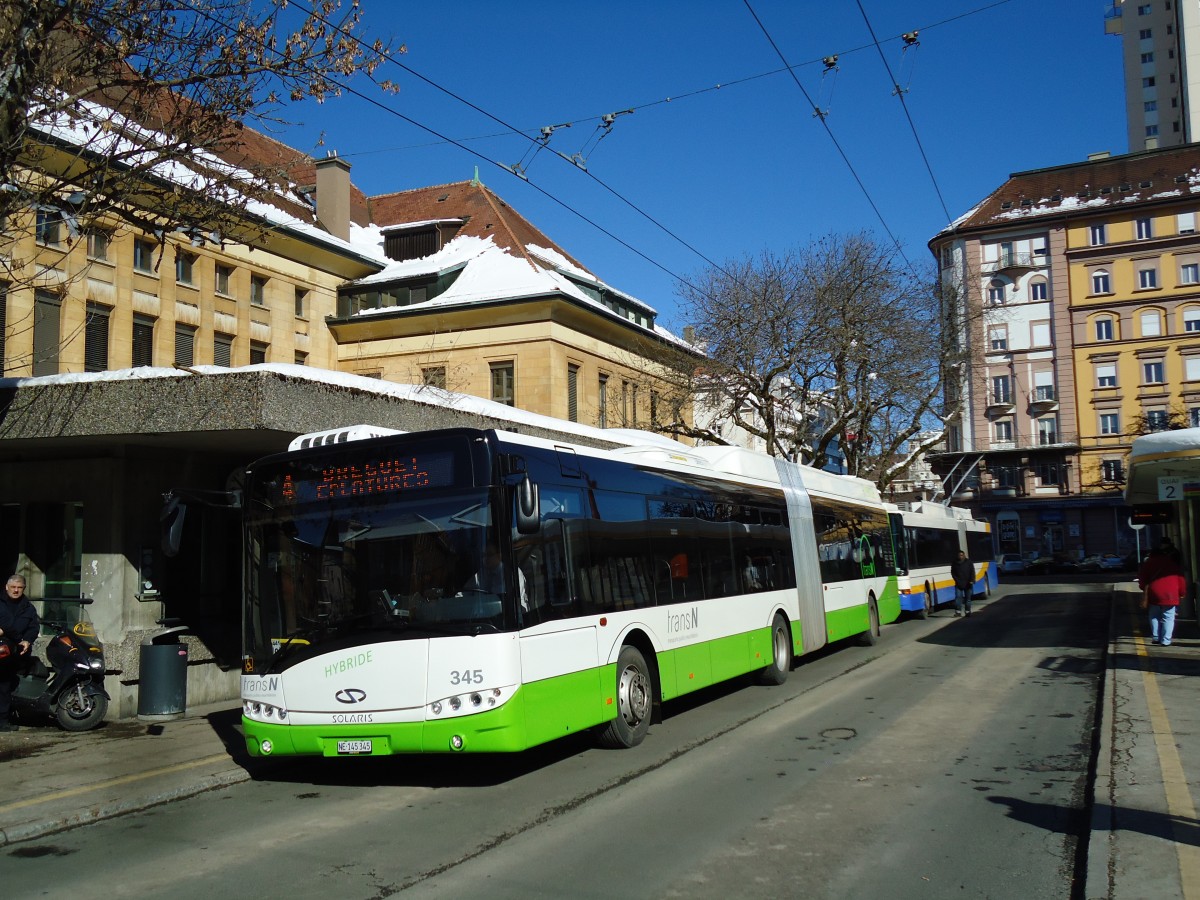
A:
[112, 808]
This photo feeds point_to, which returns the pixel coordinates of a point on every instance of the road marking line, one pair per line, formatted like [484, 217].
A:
[112, 782]
[1179, 798]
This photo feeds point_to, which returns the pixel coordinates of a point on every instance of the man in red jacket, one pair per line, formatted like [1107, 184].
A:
[1163, 586]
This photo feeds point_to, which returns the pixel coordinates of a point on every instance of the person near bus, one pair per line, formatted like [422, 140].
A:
[963, 573]
[1163, 586]
[18, 630]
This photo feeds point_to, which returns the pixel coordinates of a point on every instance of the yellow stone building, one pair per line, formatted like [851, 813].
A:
[1082, 290]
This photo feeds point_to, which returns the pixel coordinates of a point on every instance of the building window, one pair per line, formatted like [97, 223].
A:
[572, 393]
[1151, 130]
[1151, 324]
[1145, 229]
[1039, 334]
[184, 267]
[1106, 376]
[222, 350]
[1148, 57]
[143, 341]
[1110, 423]
[1147, 278]
[1148, 82]
[258, 352]
[49, 227]
[1185, 223]
[1143, 9]
[1194, 417]
[1112, 470]
[1145, 34]
[1152, 372]
[185, 345]
[995, 292]
[224, 276]
[434, 376]
[301, 303]
[602, 415]
[998, 338]
[1191, 368]
[1004, 431]
[1047, 431]
[1050, 474]
[143, 255]
[1001, 389]
[46, 324]
[1100, 282]
[258, 290]
[1189, 273]
[301, 358]
[1156, 419]
[1096, 235]
[95, 338]
[1191, 318]
[1038, 290]
[1104, 329]
[504, 382]
[1150, 106]
[1043, 387]
[98, 243]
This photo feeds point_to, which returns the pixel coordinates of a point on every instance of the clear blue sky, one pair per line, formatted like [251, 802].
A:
[992, 88]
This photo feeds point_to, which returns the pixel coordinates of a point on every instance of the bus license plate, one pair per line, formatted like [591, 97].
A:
[354, 747]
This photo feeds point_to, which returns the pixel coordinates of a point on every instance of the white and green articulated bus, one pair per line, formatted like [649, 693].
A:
[472, 590]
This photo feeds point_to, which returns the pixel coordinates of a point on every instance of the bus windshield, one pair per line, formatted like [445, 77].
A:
[367, 568]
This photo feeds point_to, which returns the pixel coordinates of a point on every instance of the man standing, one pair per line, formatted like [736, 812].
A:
[963, 573]
[1163, 585]
[18, 630]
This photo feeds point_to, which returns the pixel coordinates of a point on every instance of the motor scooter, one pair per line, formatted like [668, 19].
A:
[71, 690]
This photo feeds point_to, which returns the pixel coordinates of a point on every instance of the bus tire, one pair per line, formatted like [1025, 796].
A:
[870, 637]
[925, 611]
[776, 672]
[635, 701]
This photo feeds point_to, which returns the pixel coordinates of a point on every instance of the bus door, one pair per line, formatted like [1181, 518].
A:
[559, 658]
[810, 597]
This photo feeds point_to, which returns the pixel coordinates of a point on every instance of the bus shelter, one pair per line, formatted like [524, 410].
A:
[1162, 488]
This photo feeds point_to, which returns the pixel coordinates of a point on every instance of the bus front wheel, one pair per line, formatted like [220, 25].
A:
[871, 636]
[776, 672]
[635, 700]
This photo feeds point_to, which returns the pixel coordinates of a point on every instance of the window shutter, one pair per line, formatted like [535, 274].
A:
[95, 339]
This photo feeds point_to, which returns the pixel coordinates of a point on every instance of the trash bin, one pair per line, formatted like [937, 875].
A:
[162, 676]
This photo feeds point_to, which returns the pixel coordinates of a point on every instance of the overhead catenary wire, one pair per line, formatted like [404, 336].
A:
[841, 152]
[484, 158]
[899, 92]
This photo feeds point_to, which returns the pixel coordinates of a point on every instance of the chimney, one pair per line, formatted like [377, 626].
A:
[333, 195]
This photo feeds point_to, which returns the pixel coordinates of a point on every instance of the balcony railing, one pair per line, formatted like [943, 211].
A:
[1015, 261]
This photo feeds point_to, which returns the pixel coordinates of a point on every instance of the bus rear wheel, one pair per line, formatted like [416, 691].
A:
[871, 636]
[635, 700]
[927, 610]
[776, 672]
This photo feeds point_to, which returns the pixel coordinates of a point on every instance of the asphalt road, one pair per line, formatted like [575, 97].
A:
[949, 760]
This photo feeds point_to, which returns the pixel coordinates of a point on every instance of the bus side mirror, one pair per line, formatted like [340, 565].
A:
[529, 518]
[170, 522]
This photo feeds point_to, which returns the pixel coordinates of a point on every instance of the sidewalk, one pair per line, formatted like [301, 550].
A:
[1145, 838]
[56, 780]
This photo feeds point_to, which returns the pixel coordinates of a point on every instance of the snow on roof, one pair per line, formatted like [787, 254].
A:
[104, 131]
[1181, 440]
[491, 272]
[415, 393]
